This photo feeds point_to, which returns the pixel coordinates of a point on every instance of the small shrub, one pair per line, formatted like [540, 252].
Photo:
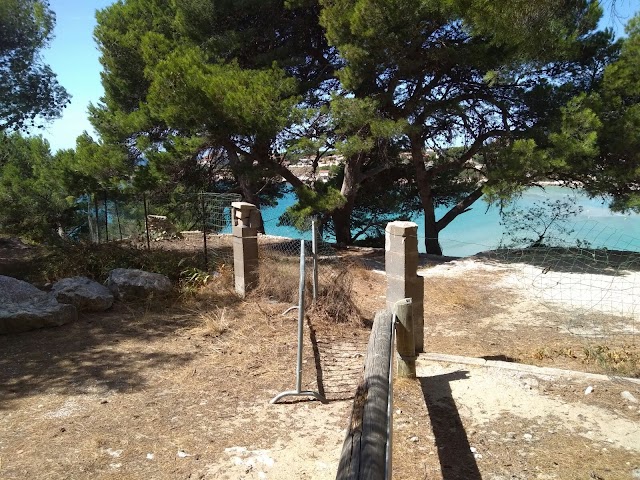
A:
[335, 302]
[214, 322]
[97, 260]
[624, 360]
[279, 280]
[192, 279]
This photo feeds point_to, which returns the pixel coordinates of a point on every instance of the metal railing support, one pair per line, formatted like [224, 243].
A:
[314, 251]
[298, 392]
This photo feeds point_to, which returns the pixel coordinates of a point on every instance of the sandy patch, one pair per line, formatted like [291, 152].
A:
[485, 395]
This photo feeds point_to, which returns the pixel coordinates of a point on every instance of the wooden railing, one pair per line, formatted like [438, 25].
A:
[366, 453]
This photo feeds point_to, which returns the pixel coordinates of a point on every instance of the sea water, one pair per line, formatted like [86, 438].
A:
[480, 229]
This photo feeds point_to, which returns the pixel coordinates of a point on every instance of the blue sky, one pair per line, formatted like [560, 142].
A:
[74, 57]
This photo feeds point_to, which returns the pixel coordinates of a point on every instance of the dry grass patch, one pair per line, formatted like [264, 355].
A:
[463, 296]
[623, 360]
[612, 358]
[279, 280]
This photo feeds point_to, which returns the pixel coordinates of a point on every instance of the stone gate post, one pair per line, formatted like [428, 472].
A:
[245, 218]
[401, 266]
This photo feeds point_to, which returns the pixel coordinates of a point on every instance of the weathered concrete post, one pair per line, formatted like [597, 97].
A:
[405, 339]
[245, 218]
[401, 266]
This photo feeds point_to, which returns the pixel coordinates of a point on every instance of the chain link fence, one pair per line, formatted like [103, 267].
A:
[193, 222]
[328, 275]
[582, 282]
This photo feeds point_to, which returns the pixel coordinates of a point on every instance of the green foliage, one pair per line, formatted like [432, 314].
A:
[33, 200]
[597, 140]
[617, 160]
[492, 76]
[324, 199]
[197, 89]
[97, 260]
[359, 125]
[201, 79]
[546, 223]
[28, 88]
[193, 279]
[188, 91]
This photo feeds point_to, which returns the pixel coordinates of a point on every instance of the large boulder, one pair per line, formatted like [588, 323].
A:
[131, 284]
[83, 293]
[23, 307]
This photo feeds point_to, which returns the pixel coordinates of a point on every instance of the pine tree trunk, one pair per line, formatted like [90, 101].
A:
[342, 216]
[342, 224]
[431, 241]
[424, 182]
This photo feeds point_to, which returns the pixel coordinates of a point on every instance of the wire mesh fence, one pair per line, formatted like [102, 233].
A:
[596, 287]
[193, 222]
[582, 285]
[328, 277]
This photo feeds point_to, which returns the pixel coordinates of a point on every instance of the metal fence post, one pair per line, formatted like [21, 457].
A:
[146, 219]
[300, 319]
[298, 392]
[204, 232]
[314, 251]
[95, 208]
[106, 217]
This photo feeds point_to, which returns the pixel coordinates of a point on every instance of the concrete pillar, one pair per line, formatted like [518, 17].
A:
[401, 266]
[245, 218]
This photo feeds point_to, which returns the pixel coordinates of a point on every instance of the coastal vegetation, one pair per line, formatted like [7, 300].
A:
[424, 103]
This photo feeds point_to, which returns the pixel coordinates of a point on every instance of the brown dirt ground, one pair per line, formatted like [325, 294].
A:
[179, 390]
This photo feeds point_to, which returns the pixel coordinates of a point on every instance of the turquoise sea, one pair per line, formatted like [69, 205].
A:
[479, 229]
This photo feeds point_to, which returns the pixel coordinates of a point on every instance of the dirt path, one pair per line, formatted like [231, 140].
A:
[145, 394]
[470, 422]
[182, 391]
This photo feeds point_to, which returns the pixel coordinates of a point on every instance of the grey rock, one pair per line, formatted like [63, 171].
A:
[23, 307]
[84, 293]
[130, 284]
[629, 396]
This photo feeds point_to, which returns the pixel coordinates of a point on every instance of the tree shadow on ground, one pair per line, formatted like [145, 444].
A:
[457, 462]
[98, 354]
[569, 260]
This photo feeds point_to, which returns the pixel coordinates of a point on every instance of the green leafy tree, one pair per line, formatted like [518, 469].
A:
[33, 200]
[199, 85]
[28, 88]
[599, 138]
[479, 74]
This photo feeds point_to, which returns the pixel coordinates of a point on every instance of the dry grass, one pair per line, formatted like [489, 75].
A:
[335, 302]
[460, 296]
[612, 359]
[279, 280]
[623, 360]
[214, 322]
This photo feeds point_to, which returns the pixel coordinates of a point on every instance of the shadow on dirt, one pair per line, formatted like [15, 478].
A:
[457, 461]
[89, 356]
